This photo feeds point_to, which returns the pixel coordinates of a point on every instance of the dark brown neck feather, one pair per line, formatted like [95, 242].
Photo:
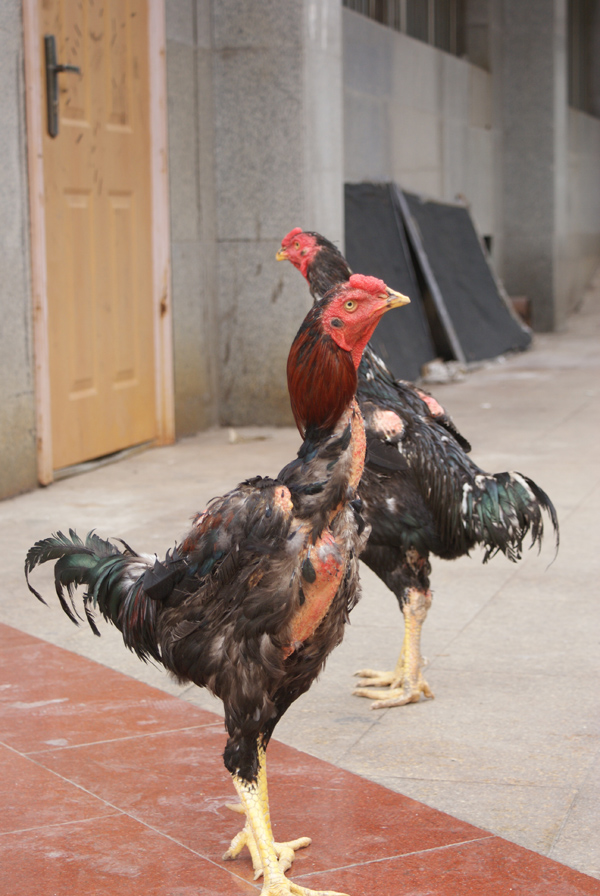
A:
[327, 268]
[322, 379]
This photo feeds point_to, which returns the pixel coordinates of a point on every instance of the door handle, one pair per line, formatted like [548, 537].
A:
[53, 69]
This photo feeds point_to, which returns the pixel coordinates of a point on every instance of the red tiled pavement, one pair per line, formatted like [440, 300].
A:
[109, 786]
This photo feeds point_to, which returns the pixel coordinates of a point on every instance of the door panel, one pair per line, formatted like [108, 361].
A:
[98, 231]
[122, 228]
[77, 318]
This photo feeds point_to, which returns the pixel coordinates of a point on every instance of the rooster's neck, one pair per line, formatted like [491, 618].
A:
[327, 268]
[350, 435]
[325, 476]
[322, 379]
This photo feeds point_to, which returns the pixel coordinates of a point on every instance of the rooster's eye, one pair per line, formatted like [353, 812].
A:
[296, 245]
[350, 305]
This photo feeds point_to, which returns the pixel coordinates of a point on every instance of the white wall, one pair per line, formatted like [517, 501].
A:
[278, 164]
[583, 202]
[419, 117]
[17, 400]
[192, 198]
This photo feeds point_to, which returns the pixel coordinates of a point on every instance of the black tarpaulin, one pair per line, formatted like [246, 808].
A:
[376, 244]
[457, 307]
[480, 316]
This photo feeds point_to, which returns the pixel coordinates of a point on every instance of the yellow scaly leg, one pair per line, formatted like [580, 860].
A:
[253, 801]
[285, 851]
[406, 683]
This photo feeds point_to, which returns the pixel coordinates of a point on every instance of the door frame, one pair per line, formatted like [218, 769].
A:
[162, 311]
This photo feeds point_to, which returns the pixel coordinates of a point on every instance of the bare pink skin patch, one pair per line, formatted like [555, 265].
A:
[434, 406]
[326, 556]
[387, 423]
[326, 560]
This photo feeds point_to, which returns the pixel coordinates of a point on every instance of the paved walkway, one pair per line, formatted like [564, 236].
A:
[110, 786]
[511, 744]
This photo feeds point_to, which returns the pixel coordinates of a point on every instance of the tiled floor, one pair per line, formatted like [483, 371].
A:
[108, 787]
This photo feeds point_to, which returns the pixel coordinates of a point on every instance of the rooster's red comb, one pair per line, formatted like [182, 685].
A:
[289, 236]
[372, 285]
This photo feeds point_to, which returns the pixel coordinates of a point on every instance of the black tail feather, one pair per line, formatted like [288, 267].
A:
[547, 505]
[113, 580]
[510, 506]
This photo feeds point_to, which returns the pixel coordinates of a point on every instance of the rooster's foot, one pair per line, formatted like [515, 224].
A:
[405, 684]
[396, 696]
[295, 890]
[285, 887]
[394, 688]
[281, 886]
[286, 851]
[373, 678]
[268, 858]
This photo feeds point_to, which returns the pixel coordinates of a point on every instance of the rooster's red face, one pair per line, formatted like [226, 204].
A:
[298, 247]
[351, 315]
[326, 353]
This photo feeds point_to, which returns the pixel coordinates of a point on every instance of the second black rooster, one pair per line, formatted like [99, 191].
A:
[422, 494]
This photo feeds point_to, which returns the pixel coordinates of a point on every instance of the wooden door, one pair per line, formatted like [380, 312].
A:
[98, 230]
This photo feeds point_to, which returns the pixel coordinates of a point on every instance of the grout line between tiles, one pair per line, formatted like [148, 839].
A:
[403, 855]
[342, 757]
[61, 824]
[474, 782]
[566, 816]
[189, 849]
[118, 811]
[112, 740]
[121, 813]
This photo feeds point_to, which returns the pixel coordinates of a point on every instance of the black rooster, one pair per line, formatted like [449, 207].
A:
[254, 599]
[421, 492]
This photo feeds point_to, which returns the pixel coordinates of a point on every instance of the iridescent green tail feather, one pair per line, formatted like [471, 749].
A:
[113, 580]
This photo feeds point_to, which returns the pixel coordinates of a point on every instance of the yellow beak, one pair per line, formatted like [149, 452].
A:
[386, 301]
[395, 299]
[281, 254]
